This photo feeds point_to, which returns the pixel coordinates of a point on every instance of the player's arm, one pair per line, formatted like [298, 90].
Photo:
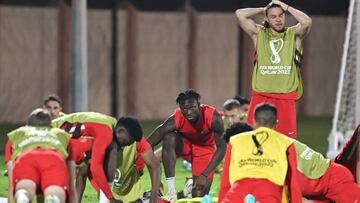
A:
[97, 161]
[295, 193]
[217, 126]
[305, 22]
[110, 163]
[225, 183]
[244, 17]
[158, 134]
[153, 165]
[71, 166]
[9, 168]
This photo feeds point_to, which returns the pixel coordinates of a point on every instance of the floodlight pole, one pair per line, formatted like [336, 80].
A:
[79, 56]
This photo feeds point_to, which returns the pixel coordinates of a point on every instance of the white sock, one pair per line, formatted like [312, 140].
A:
[52, 199]
[21, 196]
[103, 198]
[171, 183]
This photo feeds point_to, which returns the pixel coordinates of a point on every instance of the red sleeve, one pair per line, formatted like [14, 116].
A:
[102, 140]
[292, 178]
[348, 152]
[8, 151]
[142, 147]
[225, 183]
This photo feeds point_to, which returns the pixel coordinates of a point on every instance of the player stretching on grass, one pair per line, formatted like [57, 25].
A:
[194, 132]
[99, 135]
[35, 157]
[316, 177]
[256, 162]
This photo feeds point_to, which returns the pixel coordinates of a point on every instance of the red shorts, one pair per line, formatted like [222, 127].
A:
[198, 155]
[44, 167]
[80, 149]
[286, 113]
[263, 191]
[336, 184]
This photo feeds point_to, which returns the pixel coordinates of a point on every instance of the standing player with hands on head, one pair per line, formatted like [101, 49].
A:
[195, 132]
[276, 77]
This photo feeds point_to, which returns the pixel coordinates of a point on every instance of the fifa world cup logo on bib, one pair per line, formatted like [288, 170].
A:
[276, 45]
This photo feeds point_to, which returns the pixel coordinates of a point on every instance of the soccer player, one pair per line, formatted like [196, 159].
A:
[350, 155]
[131, 160]
[99, 135]
[233, 112]
[256, 162]
[194, 131]
[35, 157]
[276, 78]
[316, 177]
[53, 103]
[244, 104]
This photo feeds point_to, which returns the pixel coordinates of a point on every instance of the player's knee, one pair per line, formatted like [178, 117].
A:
[52, 199]
[22, 196]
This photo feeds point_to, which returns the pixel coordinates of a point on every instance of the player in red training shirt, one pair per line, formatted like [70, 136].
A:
[100, 136]
[194, 132]
[37, 159]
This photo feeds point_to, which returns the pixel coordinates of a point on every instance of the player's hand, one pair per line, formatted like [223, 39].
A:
[200, 182]
[280, 3]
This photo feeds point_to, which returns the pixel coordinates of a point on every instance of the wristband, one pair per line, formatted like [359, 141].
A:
[287, 8]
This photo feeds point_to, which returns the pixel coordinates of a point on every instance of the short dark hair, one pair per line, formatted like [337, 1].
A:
[242, 100]
[187, 94]
[236, 129]
[132, 125]
[266, 115]
[53, 97]
[39, 117]
[231, 104]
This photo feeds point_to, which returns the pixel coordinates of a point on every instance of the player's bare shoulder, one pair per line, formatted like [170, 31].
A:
[217, 124]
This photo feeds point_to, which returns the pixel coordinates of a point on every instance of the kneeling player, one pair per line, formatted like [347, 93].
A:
[35, 158]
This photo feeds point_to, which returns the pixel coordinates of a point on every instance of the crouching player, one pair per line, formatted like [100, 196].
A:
[35, 157]
[260, 166]
[131, 161]
[105, 139]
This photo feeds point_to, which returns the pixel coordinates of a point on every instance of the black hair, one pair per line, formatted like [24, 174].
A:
[266, 115]
[39, 117]
[236, 129]
[242, 100]
[270, 5]
[187, 94]
[231, 104]
[53, 97]
[132, 125]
